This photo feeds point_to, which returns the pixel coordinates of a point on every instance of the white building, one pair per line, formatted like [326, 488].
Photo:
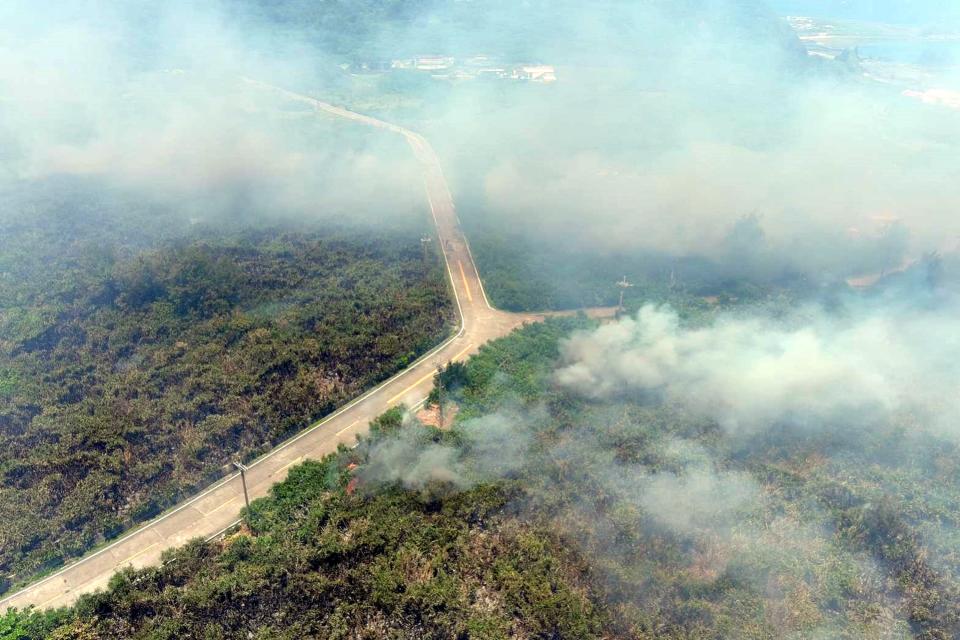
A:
[544, 73]
[434, 63]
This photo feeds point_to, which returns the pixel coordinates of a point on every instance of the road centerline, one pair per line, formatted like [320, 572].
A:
[411, 387]
[348, 426]
[215, 509]
[314, 439]
[466, 285]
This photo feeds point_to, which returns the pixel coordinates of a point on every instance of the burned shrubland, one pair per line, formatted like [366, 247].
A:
[760, 444]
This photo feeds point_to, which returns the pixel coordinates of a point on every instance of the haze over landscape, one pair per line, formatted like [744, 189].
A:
[479, 319]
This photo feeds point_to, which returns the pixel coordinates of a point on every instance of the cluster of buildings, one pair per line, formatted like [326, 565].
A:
[450, 68]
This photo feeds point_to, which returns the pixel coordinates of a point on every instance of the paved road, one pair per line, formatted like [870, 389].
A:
[218, 507]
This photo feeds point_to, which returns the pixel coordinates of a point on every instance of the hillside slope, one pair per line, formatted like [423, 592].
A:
[542, 515]
[139, 354]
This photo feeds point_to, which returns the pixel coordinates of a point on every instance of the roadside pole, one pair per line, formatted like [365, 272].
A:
[243, 479]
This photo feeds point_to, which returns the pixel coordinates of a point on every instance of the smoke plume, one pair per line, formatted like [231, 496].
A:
[750, 373]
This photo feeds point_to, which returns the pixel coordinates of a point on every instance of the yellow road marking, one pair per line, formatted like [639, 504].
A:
[138, 554]
[422, 146]
[429, 375]
[51, 599]
[287, 466]
[80, 588]
[410, 388]
[207, 513]
[466, 286]
[348, 426]
[468, 347]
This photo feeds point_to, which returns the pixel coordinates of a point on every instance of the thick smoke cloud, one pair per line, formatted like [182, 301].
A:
[149, 97]
[752, 373]
[690, 199]
[725, 524]
[672, 121]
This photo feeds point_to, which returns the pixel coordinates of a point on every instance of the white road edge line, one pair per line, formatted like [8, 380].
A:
[146, 525]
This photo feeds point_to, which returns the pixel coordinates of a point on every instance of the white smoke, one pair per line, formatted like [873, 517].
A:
[752, 373]
[489, 447]
[149, 97]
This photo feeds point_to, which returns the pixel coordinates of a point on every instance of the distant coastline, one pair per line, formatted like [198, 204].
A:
[920, 51]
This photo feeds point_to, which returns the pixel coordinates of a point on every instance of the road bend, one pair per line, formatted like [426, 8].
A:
[217, 508]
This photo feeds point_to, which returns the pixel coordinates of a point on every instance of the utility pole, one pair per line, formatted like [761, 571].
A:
[243, 479]
[424, 243]
[624, 285]
[440, 392]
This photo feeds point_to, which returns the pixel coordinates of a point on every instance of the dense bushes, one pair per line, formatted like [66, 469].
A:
[525, 272]
[319, 563]
[139, 355]
[765, 538]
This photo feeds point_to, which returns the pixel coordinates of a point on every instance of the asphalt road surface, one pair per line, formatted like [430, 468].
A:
[218, 507]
